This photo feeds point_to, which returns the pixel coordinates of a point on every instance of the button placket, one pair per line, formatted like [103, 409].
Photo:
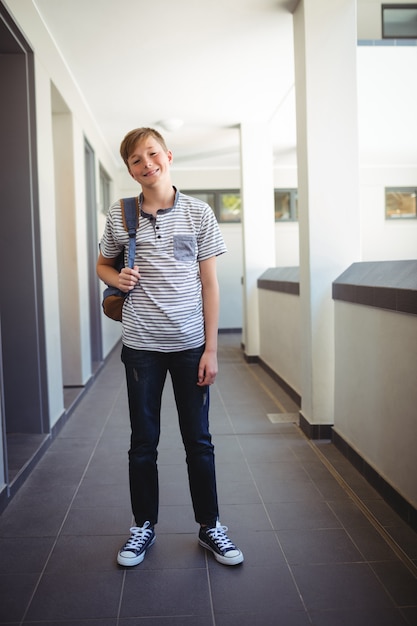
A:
[157, 229]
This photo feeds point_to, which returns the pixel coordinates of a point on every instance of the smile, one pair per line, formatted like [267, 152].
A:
[151, 173]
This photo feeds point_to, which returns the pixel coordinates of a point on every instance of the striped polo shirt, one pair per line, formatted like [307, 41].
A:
[164, 310]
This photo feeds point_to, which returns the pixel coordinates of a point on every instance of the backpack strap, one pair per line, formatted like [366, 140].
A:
[130, 216]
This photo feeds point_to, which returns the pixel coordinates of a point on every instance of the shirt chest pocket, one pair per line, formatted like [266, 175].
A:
[184, 248]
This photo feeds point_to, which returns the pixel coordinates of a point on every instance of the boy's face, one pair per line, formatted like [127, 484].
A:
[149, 162]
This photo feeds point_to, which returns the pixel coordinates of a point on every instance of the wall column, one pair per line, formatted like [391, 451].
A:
[258, 222]
[325, 42]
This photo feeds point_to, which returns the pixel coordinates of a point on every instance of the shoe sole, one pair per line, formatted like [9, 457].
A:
[126, 562]
[224, 560]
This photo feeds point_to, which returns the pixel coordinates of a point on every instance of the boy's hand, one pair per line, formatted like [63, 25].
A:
[208, 368]
[128, 278]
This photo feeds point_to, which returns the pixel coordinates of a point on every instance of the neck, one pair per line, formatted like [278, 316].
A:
[155, 199]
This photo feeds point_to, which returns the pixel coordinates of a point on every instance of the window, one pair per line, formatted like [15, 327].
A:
[399, 21]
[400, 203]
[227, 205]
[104, 191]
[286, 205]
[230, 205]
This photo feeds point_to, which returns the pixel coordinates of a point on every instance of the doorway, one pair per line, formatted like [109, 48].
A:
[24, 414]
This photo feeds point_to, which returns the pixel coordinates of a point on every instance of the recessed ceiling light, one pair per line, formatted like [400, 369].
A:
[170, 124]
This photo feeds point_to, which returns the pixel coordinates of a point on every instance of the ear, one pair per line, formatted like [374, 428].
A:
[170, 156]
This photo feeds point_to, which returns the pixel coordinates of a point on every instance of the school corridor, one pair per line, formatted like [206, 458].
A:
[321, 547]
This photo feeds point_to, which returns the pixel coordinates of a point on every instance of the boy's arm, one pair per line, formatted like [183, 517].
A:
[210, 293]
[124, 280]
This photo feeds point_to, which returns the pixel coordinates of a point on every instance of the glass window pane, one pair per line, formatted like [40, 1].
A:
[286, 205]
[400, 203]
[205, 196]
[399, 21]
[282, 205]
[230, 205]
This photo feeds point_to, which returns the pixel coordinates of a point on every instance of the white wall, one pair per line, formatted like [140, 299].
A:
[280, 337]
[376, 391]
[382, 239]
[387, 124]
[50, 69]
[46, 187]
[67, 258]
[387, 93]
[369, 19]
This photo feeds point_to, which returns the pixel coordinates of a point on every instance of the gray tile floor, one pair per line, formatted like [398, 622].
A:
[321, 547]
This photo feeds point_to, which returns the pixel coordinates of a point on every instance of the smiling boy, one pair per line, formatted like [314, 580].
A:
[170, 324]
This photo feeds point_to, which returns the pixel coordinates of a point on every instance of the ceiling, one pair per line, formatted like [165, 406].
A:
[213, 65]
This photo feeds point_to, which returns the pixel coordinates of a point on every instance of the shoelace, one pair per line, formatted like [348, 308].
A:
[218, 535]
[139, 536]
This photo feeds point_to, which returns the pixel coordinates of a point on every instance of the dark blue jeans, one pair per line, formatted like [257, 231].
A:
[146, 373]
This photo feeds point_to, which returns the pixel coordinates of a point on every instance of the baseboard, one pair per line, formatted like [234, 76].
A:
[315, 431]
[294, 395]
[395, 500]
